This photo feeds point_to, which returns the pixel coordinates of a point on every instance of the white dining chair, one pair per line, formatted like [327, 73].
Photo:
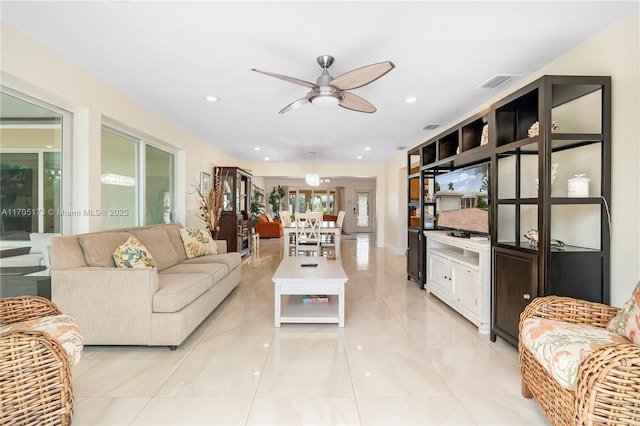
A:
[308, 233]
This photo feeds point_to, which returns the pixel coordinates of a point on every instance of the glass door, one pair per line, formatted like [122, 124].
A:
[31, 143]
[362, 211]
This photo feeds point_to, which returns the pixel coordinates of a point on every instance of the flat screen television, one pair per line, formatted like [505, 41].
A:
[462, 199]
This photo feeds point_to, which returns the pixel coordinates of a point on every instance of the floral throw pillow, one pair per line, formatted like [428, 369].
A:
[132, 254]
[627, 322]
[197, 242]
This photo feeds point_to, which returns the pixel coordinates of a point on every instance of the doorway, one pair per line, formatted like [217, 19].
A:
[362, 211]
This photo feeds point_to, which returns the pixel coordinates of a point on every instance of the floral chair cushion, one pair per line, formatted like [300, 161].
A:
[197, 242]
[627, 322]
[560, 346]
[133, 254]
[63, 328]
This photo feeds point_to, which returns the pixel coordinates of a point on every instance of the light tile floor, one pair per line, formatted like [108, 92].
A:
[403, 358]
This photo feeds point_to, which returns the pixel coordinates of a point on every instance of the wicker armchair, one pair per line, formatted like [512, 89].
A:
[607, 388]
[35, 373]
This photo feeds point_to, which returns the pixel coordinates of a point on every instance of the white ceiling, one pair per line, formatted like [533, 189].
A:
[169, 54]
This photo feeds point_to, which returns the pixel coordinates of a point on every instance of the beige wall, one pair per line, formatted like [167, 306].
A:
[613, 52]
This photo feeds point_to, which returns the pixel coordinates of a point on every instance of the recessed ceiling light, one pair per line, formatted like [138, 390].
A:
[267, 158]
[367, 148]
[410, 99]
[212, 98]
[359, 157]
[256, 148]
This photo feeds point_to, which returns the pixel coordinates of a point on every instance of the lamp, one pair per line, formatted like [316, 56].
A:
[313, 179]
[325, 96]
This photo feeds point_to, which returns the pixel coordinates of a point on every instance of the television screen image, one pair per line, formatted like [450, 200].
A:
[463, 199]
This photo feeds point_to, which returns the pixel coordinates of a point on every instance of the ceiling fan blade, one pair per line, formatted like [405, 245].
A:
[361, 76]
[356, 103]
[295, 104]
[286, 78]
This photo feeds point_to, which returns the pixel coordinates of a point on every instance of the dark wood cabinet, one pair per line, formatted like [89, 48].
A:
[515, 284]
[235, 221]
[551, 174]
[414, 255]
[549, 148]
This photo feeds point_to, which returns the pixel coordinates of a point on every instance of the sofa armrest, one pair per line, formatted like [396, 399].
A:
[568, 309]
[111, 305]
[36, 379]
[23, 308]
[607, 385]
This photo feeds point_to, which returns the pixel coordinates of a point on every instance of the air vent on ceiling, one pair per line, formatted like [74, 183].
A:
[400, 148]
[498, 80]
[430, 126]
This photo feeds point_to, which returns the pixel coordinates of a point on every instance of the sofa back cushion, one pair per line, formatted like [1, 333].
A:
[66, 253]
[158, 244]
[98, 248]
[262, 218]
[173, 231]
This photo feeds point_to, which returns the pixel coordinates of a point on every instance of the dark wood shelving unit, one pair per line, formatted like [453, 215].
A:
[528, 182]
[235, 220]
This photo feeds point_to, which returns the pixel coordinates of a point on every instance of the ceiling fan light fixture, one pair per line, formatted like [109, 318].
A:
[325, 101]
[325, 97]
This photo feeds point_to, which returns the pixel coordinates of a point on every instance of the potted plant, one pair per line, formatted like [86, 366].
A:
[275, 199]
[256, 207]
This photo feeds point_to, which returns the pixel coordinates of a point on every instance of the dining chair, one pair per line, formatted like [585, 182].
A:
[308, 233]
[285, 218]
[340, 219]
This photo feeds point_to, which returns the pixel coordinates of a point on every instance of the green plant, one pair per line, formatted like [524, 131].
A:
[275, 199]
[256, 207]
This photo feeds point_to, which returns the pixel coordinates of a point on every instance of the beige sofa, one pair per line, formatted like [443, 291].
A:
[121, 306]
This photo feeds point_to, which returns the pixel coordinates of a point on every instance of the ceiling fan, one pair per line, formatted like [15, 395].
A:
[329, 91]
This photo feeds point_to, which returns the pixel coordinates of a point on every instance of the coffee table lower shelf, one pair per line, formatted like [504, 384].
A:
[295, 311]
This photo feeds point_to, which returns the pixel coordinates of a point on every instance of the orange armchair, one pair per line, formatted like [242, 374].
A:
[268, 228]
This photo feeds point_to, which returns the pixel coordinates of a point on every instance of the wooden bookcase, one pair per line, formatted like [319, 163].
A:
[235, 221]
[530, 190]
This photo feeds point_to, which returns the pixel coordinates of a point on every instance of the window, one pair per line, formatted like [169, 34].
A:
[317, 200]
[137, 181]
[31, 146]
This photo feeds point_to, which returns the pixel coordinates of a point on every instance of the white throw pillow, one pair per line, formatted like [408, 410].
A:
[40, 241]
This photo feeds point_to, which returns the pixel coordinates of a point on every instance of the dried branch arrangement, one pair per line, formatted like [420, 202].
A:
[210, 205]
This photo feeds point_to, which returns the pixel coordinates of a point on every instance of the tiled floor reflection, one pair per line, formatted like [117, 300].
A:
[403, 358]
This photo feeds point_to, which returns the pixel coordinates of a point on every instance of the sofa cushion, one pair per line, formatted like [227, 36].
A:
[173, 231]
[63, 328]
[40, 241]
[133, 254]
[157, 242]
[262, 218]
[560, 346]
[627, 321]
[98, 248]
[197, 242]
[217, 271]
[29, 259]
[178, 290]
[232, 260]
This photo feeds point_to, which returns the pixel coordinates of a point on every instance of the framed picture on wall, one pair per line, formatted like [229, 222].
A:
[205, 182]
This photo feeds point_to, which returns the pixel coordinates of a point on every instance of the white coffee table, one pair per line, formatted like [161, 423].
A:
[293, 280]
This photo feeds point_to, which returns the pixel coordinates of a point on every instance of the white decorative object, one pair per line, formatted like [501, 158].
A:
[532, 236]
[534, 130]
[554, 174]
[578, 186]
[484, 139]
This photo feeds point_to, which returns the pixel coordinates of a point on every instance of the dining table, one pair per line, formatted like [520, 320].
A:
[328, 229]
